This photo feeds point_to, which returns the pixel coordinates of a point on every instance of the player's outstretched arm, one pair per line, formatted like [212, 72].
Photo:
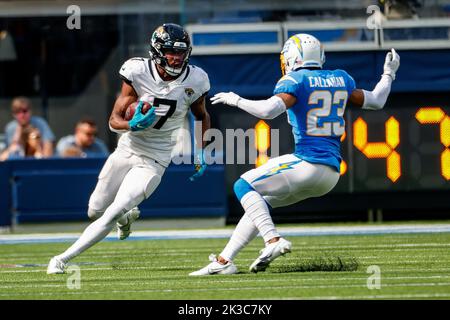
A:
[264, 109]
[375, 99]
[117, 123]
[200, 113]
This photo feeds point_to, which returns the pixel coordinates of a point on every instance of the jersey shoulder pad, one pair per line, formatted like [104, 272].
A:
[341, 72]
[199, 79]
[132, 67]
[289, 83]
[338, 71]
[348, 78]
[289, 77]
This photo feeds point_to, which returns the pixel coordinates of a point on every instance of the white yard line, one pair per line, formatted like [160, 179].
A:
[240, 288]
[209, 280]
[225, 233]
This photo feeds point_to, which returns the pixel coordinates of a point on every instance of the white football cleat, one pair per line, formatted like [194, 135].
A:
[216, 268]
[123, 231]
[270, 253]
[55, 266]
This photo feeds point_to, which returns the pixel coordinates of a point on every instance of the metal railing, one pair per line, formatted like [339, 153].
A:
[419, 34]
[351, 35]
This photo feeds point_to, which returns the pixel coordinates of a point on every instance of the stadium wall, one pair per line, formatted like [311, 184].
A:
[59, 190]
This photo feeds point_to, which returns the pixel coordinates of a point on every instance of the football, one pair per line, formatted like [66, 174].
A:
[129, 113]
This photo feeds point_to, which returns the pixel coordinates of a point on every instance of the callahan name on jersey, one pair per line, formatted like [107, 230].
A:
[326, 83]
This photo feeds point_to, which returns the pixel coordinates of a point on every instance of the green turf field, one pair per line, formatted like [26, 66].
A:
[413, 266]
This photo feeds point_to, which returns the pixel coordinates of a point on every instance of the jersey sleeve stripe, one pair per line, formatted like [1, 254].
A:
[150, 68]
[187, 73]
[290, 78]
[125, 79]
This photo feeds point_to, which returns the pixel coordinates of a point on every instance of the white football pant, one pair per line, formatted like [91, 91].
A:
[280, 182]
[286, 180]
[126, 180]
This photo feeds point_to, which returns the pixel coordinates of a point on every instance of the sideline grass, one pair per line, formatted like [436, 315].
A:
[413, 266]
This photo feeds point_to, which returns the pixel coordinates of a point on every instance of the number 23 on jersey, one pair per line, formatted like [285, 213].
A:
[327, 118]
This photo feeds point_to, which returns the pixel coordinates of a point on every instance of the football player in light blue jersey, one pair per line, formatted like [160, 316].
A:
[315, 101]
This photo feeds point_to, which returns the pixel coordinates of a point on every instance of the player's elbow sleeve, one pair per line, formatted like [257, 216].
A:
[375, 100]
[372, 102]
[264, 109]
[277, 107]
[266, 115]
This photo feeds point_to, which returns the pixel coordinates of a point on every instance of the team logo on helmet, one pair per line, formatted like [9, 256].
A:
[161, 33]
[301, 51]
[170, 37]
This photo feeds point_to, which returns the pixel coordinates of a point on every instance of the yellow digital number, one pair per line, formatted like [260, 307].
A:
[262, 142]
[373, 150]
[435, 115]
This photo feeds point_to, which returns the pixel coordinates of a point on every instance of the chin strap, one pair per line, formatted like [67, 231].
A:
[171, 72]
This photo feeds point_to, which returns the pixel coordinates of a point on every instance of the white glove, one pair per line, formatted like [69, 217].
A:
[391, 64]
[229, 98]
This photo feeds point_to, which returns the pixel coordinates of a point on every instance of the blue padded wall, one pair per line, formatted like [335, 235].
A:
[59, 190]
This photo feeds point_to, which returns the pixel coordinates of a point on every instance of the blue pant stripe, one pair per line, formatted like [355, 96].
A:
[241, 188]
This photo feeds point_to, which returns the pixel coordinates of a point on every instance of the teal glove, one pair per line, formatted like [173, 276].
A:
[142, 121]
[200, 165]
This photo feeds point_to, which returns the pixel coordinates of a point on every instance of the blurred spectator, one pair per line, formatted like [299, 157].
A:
[2, 142]
[83, 143]
[22, 113]
[400, 9]
[71, 152]
[29, 144]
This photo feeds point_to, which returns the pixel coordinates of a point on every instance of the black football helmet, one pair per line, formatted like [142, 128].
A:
[170, 37]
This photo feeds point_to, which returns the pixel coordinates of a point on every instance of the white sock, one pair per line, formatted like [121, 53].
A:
[256, 209]
[93, 234]
[245, 232]
[256, 218]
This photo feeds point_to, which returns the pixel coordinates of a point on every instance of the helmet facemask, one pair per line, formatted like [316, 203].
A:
[170, 38]
[163, 61]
